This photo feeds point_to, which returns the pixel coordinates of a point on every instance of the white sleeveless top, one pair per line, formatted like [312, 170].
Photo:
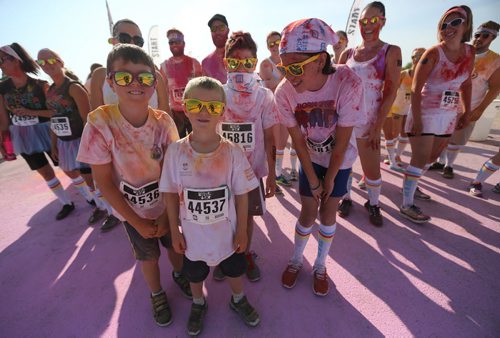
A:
[109, 96]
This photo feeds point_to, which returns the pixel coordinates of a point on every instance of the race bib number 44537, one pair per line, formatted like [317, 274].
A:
[205, 206]
[143, 197]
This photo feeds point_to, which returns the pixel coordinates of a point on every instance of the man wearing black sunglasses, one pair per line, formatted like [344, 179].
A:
[178, 70]
[485, 88]
[213, 64]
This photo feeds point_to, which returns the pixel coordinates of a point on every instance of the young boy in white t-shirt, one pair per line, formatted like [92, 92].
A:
[206, 179]
[124, 143]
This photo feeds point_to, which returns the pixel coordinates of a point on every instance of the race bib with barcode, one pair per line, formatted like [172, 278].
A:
[143, 197]
[206, 206]
[450, 99]
[60, 126]
[322, 147]
[24, 120]
[243, 134]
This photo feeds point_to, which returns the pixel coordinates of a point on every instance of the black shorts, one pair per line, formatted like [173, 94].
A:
[146, 249]
[38, 160]
[196, 272]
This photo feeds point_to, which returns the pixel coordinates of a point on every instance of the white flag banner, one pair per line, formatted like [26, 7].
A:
[110, 19]
[153, 44]
[351, 27]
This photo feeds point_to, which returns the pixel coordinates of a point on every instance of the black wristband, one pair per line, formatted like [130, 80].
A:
[316, 187]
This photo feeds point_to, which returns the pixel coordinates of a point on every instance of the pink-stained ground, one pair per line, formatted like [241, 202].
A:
[442, 279]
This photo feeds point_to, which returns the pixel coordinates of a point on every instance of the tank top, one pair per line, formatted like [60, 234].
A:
[66, 123]
[441, 91]
[276, 73]
[403, 96]
[485, 64]
[372, 72]
[109, 96]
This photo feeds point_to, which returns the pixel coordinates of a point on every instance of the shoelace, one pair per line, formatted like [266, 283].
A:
[416, 209]
[320, 273]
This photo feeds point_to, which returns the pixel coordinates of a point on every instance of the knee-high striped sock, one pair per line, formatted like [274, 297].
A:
[373, 187]
[58, 190]
[391, 151]
[293, 159]
[452, 152]
[325, 238]
[486, 171]
[83, 189]
[403, 142]
[279, 161]
[349, 186]
[105, 205]
[301, 237]
[410, 183]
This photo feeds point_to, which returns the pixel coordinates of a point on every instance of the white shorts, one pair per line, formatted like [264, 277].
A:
[435, 124]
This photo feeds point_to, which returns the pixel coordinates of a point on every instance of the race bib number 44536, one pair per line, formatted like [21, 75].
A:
[143, 197]
[240, 133]
[205, 206]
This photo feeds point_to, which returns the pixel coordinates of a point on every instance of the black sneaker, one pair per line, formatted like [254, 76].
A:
[65, 211]
[448, 172]
[161, 309]
[195, 321]
[246, 311]
[109, 223]
[476, 189]
[344, 207]
[436, 166]
[420, 195]
[183, 284]
[97, 214]
[496, 188]
[375, 215]
[91, 202]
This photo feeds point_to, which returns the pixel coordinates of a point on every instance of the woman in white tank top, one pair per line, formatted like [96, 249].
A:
[441, 89]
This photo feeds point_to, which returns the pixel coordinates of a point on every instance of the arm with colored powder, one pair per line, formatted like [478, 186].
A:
[466, 96]
[422, 73]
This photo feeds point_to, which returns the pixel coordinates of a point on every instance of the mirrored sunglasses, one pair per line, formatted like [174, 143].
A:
[248, 63]
[372, 20]
[274, 43]
[42, 62]
[296, 69]
[124, 79]
[214, 108]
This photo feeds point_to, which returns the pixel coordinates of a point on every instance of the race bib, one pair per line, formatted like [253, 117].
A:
[206, 206]
[60, 126]
[322, 147]
[24, 120]
[144, 197]
[240, 133]
[407, 97]
[178, 92]
[450, 99]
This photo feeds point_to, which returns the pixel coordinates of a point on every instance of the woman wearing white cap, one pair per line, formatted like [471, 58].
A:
[319, 105]
[23, 111]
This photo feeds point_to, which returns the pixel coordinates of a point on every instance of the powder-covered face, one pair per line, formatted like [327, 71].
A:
[220, 33]
[134, 92]
[203, 121]
[241, 54]
[371, 31]
[308, 80]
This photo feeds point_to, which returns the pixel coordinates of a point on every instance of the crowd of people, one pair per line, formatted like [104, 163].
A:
[185, 154]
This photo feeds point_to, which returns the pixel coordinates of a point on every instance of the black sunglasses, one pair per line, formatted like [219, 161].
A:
[483, 35]
[126, 38]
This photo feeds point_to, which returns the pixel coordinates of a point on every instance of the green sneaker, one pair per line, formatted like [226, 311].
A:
[246, 311]
[281, 180]
[195, 321]
[183, 284]
[161, 310]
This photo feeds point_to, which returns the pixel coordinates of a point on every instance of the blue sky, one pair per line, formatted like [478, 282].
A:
[78, 30]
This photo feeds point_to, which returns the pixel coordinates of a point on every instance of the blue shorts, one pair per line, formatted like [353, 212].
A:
[340, 182]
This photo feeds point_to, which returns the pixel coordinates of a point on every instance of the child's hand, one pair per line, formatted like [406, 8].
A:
[328, 186]
[161, 230]
[179, 243]
[270, 186]
[146, 228]
[240, 241]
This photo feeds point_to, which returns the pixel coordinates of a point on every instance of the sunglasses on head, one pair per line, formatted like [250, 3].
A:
[453, 23]
[248, 63]
[6, 58]
[214, 108]
[123, 79]
[372, 20]
[218, 28]
[127, 38]
[274, 43]
[296, 69]
[484, 35]
[50, 61]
